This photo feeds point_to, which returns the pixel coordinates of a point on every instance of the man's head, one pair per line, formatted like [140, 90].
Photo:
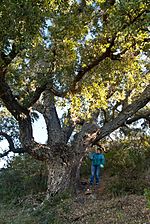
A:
[99, 150]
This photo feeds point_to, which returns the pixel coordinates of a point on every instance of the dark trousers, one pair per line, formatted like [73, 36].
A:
[95, 173]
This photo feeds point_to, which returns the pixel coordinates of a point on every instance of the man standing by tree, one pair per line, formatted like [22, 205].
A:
[98, 161]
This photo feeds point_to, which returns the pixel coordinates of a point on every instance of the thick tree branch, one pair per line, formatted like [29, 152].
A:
[124, 115]
[21, 114]
[38, 151]
[122, 103]
[75, 85]
[94, 63]
[36, 95]
[108, 53]
[47, 84]
[4, 154]
[145, 115]
[71, 124]
[10, 101]
[88, 133]
[11, 146]
[68, 127]
[51, 117]
[7, 58]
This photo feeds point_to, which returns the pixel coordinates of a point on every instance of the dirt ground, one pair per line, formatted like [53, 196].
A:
[97, 207]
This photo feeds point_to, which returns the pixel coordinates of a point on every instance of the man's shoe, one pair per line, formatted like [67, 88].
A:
[88, 191]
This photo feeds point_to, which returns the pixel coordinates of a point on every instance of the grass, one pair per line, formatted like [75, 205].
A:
[64, 209]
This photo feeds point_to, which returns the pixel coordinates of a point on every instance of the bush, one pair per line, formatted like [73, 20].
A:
[86, 167]
[147, 195]
[22, 177]
[128, 162]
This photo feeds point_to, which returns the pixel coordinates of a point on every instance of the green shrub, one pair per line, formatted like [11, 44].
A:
[22, 177]
[127, 163]
[86, 167]
[147, 195]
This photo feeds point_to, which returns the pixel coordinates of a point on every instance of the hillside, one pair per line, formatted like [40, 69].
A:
[99, 207]
[120, 199]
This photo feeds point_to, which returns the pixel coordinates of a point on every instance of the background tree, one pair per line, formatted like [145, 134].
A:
[89, 58]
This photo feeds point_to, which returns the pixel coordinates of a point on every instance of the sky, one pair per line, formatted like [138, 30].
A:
[39, 134]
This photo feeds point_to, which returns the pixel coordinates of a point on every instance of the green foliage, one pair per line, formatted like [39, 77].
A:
[22, 177]
[128, 163]
[56, 39]
[20, 22]
[30, 210]
[85, 168]
[15, 215]
[58, 203]
[147, 195]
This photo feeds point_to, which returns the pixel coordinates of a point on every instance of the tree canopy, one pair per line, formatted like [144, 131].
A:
[91, 54]
[89, 58]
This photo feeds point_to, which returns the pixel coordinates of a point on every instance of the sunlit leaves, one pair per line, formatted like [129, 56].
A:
[57, 39]
[91, 97]
[19, 18]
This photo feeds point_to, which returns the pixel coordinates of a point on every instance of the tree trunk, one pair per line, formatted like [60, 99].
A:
[63, 176]
[58, 178]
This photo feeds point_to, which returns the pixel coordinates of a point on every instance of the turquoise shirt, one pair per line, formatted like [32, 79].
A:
[98, 159]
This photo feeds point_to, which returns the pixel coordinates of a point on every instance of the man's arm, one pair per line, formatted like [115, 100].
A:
[91, 155]
[103, 160]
